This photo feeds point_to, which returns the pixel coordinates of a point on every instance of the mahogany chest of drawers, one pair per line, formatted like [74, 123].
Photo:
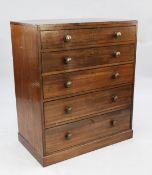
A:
[74, 82]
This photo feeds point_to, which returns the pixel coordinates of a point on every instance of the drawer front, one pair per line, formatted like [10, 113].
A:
[72, 108]
[78, 59]
[66, 39]
[77, 82]
[80, 132]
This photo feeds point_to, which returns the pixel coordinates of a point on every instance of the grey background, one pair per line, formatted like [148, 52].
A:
[133, 156]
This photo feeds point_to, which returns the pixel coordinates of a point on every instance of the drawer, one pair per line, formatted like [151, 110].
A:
[81, 81]
[83, 58]
[83, 131]
[78, 107]
[66, 39]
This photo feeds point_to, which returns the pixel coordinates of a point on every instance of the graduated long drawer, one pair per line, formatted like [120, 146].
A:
[80, 132]
[82, 81]
[68, 60]
[69, 109]
[67, 39]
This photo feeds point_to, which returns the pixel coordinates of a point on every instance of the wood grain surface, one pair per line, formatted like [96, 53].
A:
[87, 104]
[54, 85]
[86, 130]
[28, 84]
[54, 62]
[86, 37]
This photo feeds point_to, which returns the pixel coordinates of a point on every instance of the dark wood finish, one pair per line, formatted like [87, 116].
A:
[54, 85]
[86, 130]
[54, 62]
[28, 84]
[67, 107]
[86, 37]
[87, 104]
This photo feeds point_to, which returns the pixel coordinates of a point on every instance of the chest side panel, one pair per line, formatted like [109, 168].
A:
[27, 84]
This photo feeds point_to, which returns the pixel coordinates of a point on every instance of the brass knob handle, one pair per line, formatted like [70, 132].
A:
[68, 84]
[116, 54]
[68, 136]
[115, 75]
[68, 109]
[114, 98]
[67, 60]
[117, 35]
[114, 122]
[67, 38]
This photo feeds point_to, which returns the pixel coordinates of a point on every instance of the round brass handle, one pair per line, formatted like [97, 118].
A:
[114, 98]
[115, 75]
[68, 109]
[116, 54]
[67, 60]
[68, 136]
[114, 122]
[117, 35]
[67, 38]
[68, 84]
